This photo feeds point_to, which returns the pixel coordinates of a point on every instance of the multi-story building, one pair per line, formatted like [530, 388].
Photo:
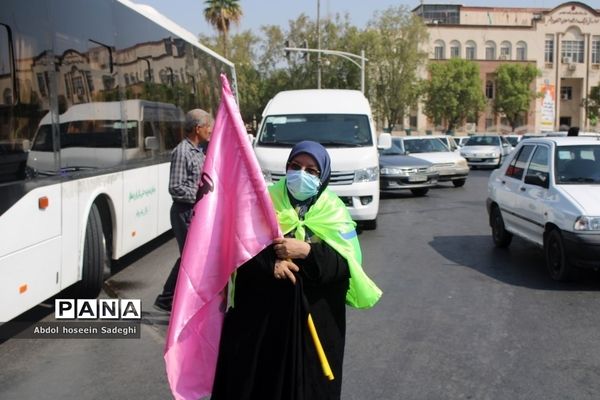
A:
[562, 42]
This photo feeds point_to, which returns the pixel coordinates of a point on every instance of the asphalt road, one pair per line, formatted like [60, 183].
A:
[459, 319]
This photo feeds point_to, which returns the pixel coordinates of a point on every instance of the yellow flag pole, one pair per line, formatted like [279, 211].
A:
[322, 357]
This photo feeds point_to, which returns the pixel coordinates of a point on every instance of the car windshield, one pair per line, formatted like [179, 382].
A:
[577, 164]
[431, 145]
[483, 141]
[396, 148]
[331, 130]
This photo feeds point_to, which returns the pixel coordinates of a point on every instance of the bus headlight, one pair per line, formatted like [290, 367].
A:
[366, 174]
[584, 223]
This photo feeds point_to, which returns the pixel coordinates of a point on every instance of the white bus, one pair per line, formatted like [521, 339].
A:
[93, 99]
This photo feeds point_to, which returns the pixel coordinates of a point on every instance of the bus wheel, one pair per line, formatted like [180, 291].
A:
[94, 256]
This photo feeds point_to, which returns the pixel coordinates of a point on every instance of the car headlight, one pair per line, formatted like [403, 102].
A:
[391, 171]
[366, 174]
[267, 176]
[585, 223]
[462, 163]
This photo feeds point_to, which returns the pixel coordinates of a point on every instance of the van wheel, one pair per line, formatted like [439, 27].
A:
[459, 182]
[369, 225]
[556, 258]
[500, 235]
[419, 192]
[95, 257]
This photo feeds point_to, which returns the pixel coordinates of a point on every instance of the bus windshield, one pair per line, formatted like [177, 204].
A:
[331, 130]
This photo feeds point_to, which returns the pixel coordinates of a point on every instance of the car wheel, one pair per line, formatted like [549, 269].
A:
[459, 182]
[500, 235]
[419, 192]
[556, 258]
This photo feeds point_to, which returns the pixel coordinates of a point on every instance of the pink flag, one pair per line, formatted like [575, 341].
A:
[233, 221]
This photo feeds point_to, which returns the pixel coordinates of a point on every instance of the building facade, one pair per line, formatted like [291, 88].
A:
[562, 42]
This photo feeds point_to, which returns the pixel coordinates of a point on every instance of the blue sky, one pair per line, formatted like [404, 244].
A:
[189, 13]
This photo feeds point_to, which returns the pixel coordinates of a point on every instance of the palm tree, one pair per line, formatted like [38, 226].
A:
[220, 14]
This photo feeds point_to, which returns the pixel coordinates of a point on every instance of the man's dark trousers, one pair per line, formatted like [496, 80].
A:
[181, 215]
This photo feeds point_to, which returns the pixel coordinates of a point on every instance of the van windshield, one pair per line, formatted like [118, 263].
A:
[331, 130]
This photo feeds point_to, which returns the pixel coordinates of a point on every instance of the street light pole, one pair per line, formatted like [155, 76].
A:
[344, 54]
[318, 45]
[362, 70]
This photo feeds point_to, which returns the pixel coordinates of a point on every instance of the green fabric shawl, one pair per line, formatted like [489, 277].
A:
[330, 220]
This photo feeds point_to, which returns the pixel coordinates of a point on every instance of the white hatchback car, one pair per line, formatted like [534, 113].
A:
[486, 151]
[548, 192]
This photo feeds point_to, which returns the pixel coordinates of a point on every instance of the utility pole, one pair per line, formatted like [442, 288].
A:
[318, 45]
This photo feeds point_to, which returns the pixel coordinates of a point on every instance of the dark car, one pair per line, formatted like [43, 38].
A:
[398, 171]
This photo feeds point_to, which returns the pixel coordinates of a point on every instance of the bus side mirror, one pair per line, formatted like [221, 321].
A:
[151, 143]
[385, 141]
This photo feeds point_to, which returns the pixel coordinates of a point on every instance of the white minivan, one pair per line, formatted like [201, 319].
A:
[341, 121]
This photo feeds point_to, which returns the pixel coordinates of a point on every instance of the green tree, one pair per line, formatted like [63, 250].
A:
[514, 92]
[394, 58]
[592, 105]
[220, 14]
[453, 92]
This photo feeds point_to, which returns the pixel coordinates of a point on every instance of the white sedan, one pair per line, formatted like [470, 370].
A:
[548, 192]
[448, 164]
[486, 151]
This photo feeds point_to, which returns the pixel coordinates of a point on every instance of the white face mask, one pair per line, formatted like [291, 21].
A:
[302, 185]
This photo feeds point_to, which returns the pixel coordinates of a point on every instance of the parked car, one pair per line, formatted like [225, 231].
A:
[513, 139]
[448, 141]
[548, 192]
[398, 171]
[448, 164]
[461, 140]
[486, 151]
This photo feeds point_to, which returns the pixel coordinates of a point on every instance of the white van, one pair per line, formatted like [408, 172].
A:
[341, 121]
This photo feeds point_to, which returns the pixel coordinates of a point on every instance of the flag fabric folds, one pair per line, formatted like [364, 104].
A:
[233, 221]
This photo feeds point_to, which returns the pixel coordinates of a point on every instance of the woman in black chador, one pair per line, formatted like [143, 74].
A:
[266, 350]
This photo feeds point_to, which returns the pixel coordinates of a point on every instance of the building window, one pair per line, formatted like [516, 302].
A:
[439, 50]
[489, 122]
[595, 49]
[489, 89]
[566, 93]
[572, 49]
[490, 51]
[7, 96]
[439, 13]
[549, 49]
[470, 50]
[505, 48]
[454, 49]
[41, 84]
[521, 51]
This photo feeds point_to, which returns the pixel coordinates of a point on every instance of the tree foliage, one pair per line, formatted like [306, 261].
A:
[453, 92]
[220, 14]
[395, 36]
[514, 92]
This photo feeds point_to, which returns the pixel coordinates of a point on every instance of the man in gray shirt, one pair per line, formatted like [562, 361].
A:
[186, 167]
